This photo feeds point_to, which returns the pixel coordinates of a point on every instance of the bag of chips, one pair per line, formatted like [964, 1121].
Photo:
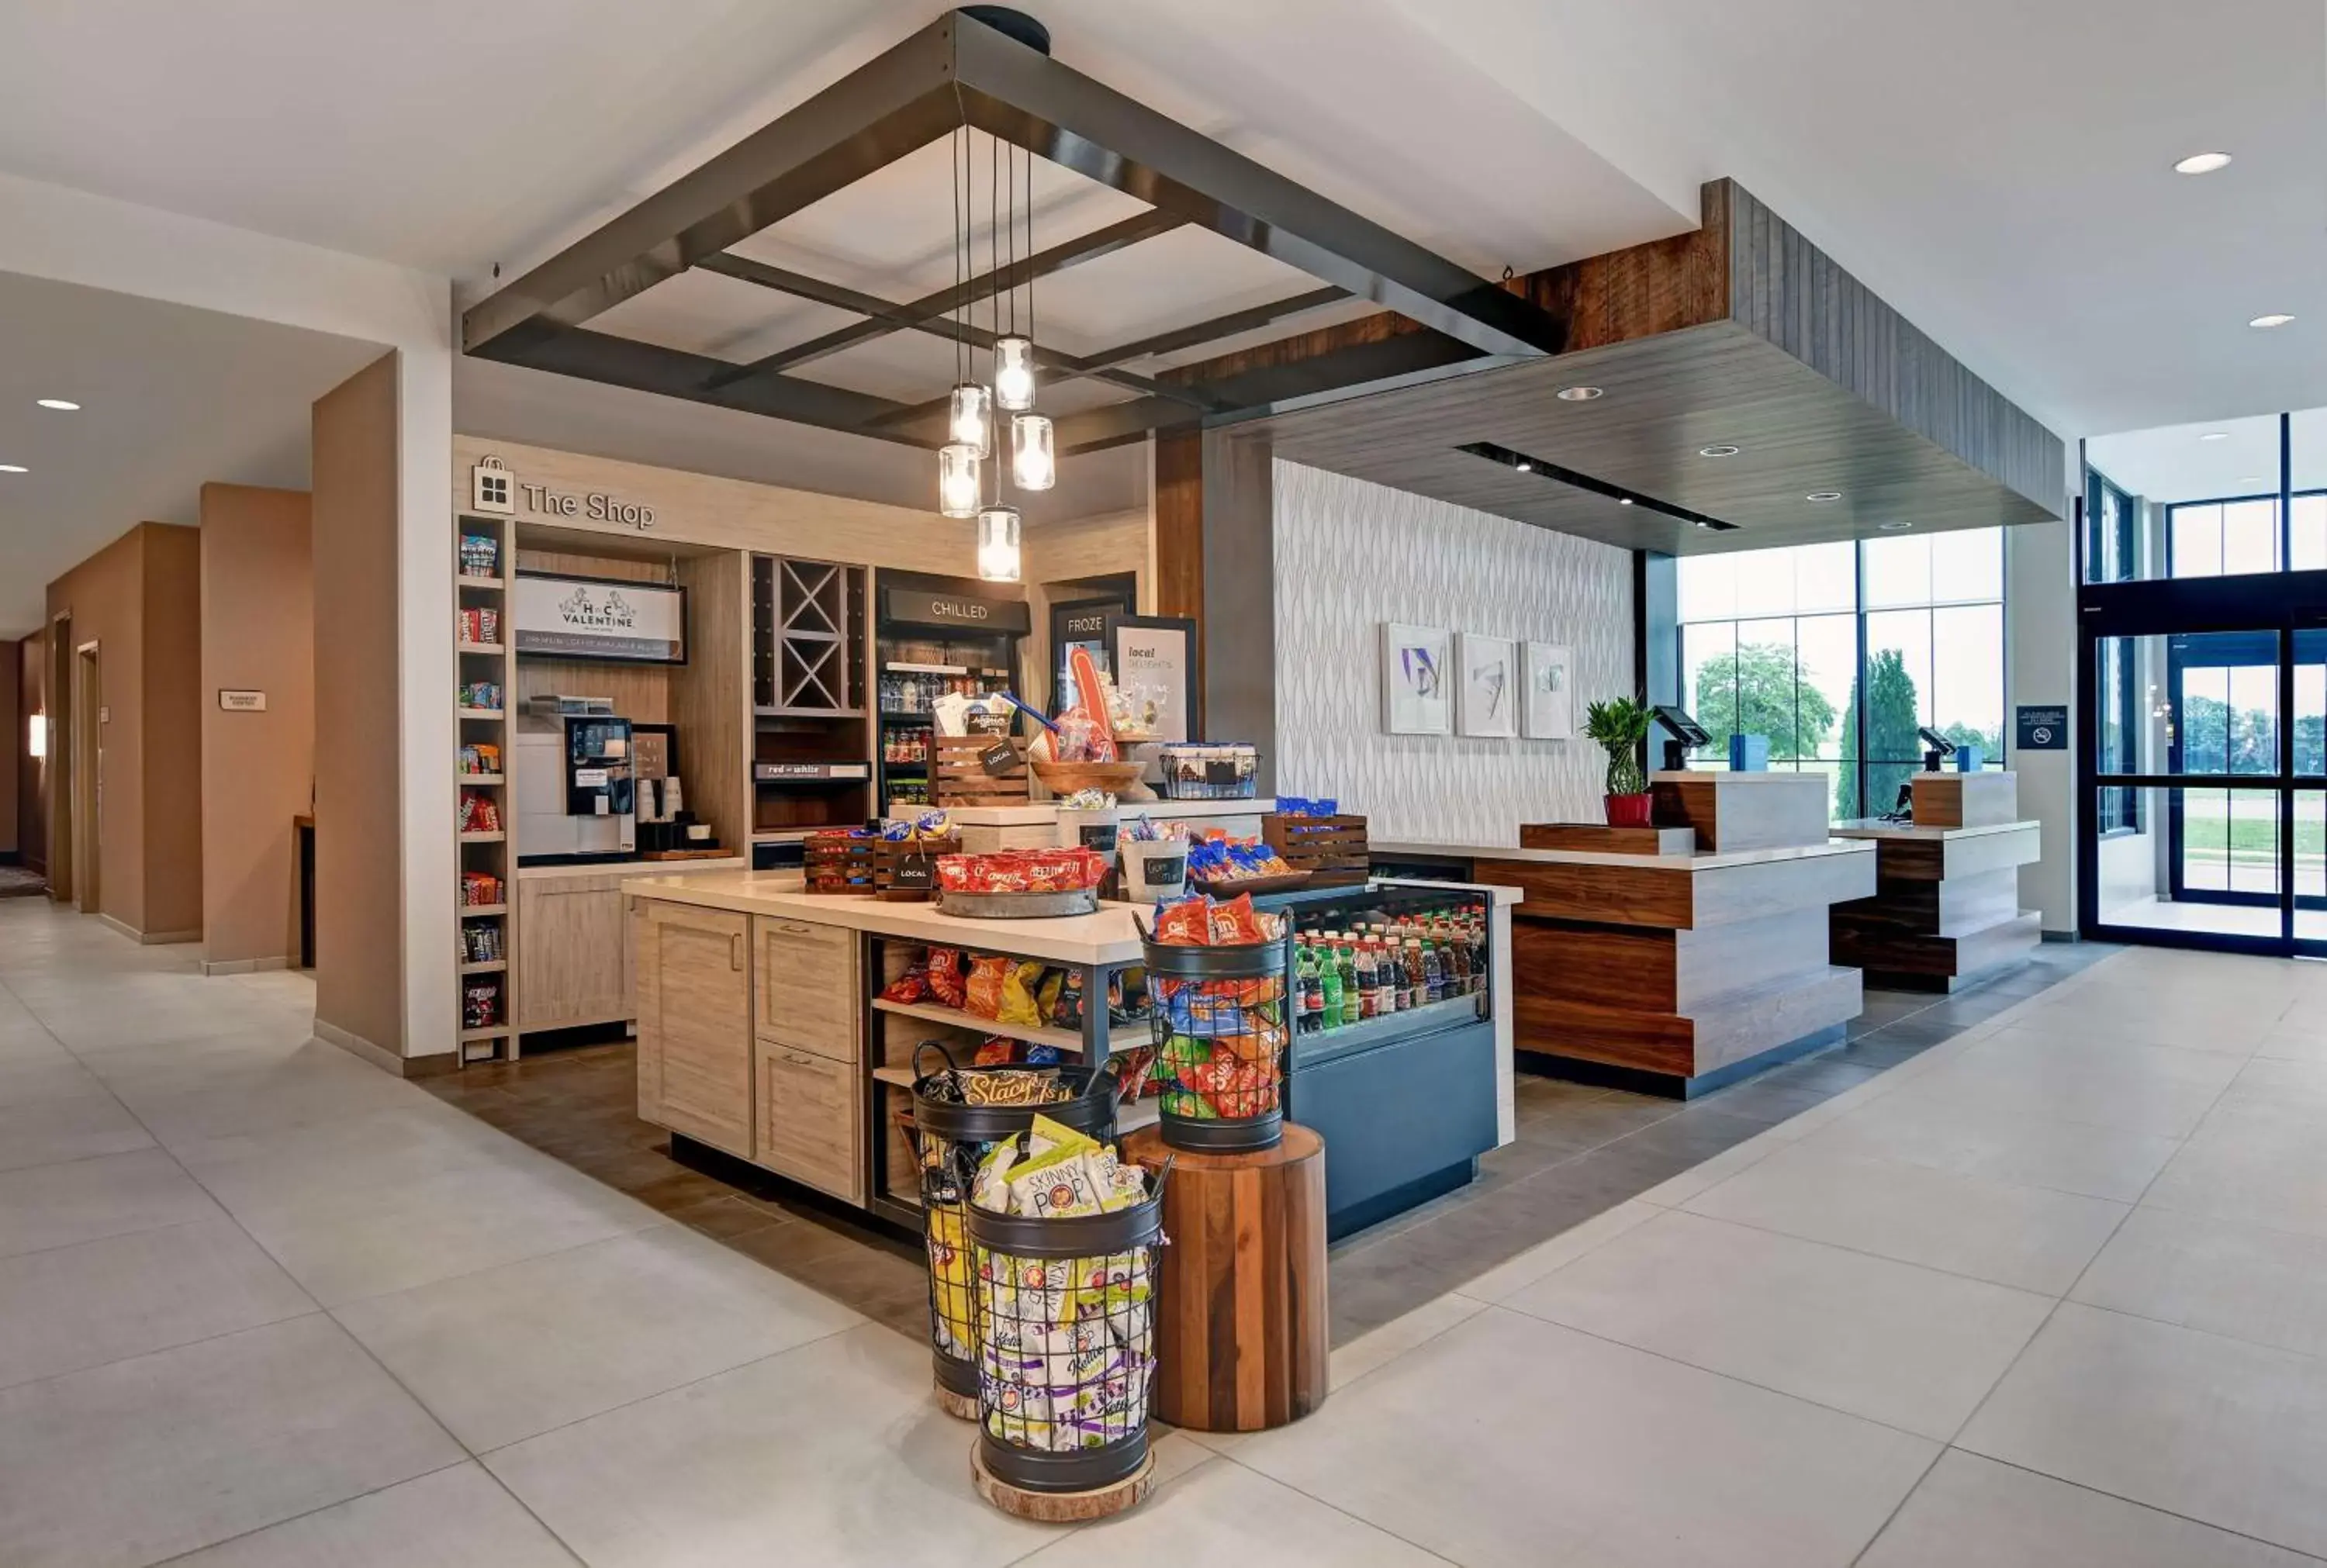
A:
[912, 986]
[987, 974]
[1020, 985]
[947, 983]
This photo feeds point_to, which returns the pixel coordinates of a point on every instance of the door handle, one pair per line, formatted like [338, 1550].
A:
[794, 929]
[736, 952]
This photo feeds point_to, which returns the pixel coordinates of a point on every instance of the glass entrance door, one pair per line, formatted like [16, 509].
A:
[2209, 788]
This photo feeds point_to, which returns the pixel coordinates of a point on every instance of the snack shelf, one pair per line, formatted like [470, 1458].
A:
[902, 1076]
[1035, 1033]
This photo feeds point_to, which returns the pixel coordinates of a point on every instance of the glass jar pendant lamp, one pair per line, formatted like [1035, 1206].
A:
[1014, 372]
[997, 543]
[972, 418]
[1033, 459]
[959, 486]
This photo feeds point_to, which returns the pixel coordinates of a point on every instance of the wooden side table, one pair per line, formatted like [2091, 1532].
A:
[1242, 1335]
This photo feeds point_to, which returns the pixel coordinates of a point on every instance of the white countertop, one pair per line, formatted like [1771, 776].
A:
[1108, 936]
[1875, 828]
[1690, 862]
[624, 867]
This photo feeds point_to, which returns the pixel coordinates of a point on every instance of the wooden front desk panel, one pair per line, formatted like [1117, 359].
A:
[1947, 906]
[1676, 968]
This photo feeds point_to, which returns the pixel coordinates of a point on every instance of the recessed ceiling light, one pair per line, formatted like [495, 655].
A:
[2203, 163]
[1578, 394]
[1524, 466]
[1705, 523]
[1894, 528]
[13, 468]
[2253, 478]
[61, 405]
[2275, 319]
[1623, 500]
[2215, 435]
[1824, 496]
[1716, 452]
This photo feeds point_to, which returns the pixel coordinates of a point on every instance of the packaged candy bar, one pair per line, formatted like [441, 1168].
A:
[987, 971]
[947, 983]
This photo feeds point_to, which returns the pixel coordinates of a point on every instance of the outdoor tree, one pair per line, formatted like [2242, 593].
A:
[1894, 714]
[1766, 697]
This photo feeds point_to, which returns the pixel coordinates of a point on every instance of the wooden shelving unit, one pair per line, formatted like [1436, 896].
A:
[807, 694]
[489, 659]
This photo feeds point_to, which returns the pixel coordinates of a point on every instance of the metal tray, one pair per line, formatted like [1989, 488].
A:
[1017, 906]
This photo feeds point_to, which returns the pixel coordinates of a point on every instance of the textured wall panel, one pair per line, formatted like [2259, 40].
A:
[1351, 555]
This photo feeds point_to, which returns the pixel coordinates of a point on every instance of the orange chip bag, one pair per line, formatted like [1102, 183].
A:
[1185, 924]
[989, 975]
[1234, 922]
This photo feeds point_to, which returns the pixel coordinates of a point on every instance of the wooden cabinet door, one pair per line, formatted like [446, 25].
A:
[811, 1121]
[573, 948]
[807, 986]
[695, 1022]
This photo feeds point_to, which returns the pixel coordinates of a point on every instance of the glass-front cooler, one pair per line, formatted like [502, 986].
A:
[1393, 1053]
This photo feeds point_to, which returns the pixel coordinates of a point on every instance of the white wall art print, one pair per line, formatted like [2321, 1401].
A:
[1417, 669]
[1547, 711]
[1488, 704]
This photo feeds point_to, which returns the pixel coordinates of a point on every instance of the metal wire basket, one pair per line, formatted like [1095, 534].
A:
[1066, 1339]
[1220, 1025]
[951, 1137]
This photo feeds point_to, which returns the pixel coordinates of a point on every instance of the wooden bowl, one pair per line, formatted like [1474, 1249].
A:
[1065, 777]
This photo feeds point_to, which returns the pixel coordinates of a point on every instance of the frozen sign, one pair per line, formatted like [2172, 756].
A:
[585, 618]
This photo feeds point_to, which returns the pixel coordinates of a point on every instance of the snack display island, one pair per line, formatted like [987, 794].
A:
[781, 1028]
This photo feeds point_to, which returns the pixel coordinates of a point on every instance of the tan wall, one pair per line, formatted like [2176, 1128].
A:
[1065, 552]
[259, 768]
[172, 675]
[139, 600]
[32, 809]
[358, 835]
[12, 727]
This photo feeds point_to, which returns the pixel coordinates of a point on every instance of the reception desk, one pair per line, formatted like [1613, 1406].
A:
[1945, 910]
[1677, 972]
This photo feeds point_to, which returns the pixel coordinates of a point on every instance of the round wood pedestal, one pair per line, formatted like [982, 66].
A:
[1061, 1507]
[960, 1406]
[1240, 1323]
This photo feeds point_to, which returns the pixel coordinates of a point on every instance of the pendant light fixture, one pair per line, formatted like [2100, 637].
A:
[997, 543]
[971, 422]
[1034, 461]
[959, 486]
[1014, 373]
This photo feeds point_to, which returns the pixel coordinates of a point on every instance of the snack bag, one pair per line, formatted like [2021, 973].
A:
[986, 973]
[1066, 1005]
[996, 1050]
[1046, 994]
[1019, 984]
[947, 983]
[1234, 922]
[1009, 1088]
[1184, 923]
[912, 986]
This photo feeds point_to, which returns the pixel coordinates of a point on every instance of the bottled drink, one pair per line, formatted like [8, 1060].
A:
[1329, 988]
[1379, 1001]
[1417, 991]
[1369, 982]
[1393, 965]
[1312, 994]
[1353, 999]
[1434, 971]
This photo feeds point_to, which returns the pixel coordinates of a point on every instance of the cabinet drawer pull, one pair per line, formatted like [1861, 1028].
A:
[736, 952]
[798, 1060]
[795, 928]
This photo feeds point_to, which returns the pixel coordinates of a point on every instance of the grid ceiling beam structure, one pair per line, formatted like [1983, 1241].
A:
[958, 70]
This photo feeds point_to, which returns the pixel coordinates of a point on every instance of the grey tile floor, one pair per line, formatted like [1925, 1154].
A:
[2048, 1291]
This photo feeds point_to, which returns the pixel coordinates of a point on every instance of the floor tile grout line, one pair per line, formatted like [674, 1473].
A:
[2133, 1502]
[192, 1552]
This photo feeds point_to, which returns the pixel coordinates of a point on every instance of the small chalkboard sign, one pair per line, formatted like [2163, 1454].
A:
[998, 759]
[913, 871]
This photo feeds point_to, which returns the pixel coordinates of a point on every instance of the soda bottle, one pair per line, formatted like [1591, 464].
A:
[1393, 975]
[1353, 999]
[1312, 995]
[1369, 982]
[1434, 970]
[1458, 948]
[1328, 988]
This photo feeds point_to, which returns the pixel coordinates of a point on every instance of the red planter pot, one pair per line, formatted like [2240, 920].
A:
[1628, 810]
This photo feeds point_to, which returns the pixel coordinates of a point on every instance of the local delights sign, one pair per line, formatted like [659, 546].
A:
[595, 618]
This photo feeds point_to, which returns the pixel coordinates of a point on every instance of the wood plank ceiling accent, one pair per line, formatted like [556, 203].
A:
[1740, 333]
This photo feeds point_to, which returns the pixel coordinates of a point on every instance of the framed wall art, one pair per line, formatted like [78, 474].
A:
[1489, 686]
[1417, 668]
[1548, 709]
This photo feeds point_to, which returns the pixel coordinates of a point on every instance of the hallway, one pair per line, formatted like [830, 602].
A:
[261, 1304]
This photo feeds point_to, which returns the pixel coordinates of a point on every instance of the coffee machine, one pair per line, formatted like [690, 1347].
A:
[577, 796]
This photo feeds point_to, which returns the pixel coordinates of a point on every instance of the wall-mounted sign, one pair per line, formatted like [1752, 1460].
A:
[2041, 728]
[243, 702]
[1155, 663]
[924, 608]
[602, 618]
[489, 482]
[596, 506]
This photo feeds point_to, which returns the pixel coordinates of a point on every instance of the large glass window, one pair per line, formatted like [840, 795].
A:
[1839, 653]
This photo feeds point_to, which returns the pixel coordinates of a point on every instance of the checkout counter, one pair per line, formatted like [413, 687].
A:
[1946, 912]
[1680, 956]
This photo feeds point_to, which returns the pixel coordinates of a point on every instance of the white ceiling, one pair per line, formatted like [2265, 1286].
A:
[172, 398]
[1997, 170]
[2218, 458]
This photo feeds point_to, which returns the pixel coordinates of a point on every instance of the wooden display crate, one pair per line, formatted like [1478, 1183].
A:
[837, 863]
[1332, 848]
[891, 853]
[961, 778]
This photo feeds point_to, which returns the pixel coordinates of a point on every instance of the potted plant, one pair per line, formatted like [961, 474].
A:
[1620, 724]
